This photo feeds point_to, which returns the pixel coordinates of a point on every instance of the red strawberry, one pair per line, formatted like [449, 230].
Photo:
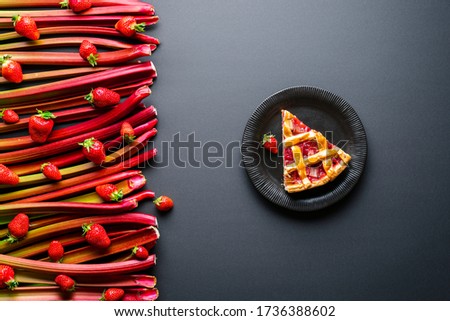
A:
[26, 26]
[7, 176]
[127, 132]
[101, 97]
[96, 235]
[55, 251]
[112, 294]
[88, 52]
[163, 203]
[76, 5]
[66, 283]
[51, 171]
[18, 227]
[9, 116]
[94, 150]
[140, 252]
[11, 70]
[40, 126]
[270, 143]
[109, 192]
[128, 26]
[7, 277]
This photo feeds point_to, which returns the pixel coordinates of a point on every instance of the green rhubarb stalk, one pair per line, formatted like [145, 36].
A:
[119, 244]
[50, 58]
[94, 269]
[121, 281]
[32, 209]
[67, 240]
[126, 186]
[87, 30]
[54, 293]
[72, 158]
[56, 74]
[67, 187]
[63, 227]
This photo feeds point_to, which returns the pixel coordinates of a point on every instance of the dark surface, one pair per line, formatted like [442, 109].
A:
[389, 238]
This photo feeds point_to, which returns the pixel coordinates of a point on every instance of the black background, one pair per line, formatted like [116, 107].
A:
[389, 238]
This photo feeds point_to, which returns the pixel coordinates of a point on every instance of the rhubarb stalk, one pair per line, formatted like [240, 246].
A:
[105, 119]
[74, 59]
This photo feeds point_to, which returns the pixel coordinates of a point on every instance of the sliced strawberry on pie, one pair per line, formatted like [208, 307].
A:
[309, 159]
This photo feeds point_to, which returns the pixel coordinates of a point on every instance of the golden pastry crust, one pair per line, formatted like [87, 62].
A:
[323, 163]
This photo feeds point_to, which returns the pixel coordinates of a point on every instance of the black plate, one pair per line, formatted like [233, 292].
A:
[321, 110]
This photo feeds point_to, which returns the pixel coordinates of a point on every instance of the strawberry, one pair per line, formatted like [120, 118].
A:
[270, 143]
[55, 251]
[109, 192]
[7, 277]
[9, 116]
[163, 203]
[101, 97]
[94, 150]
[88, 52]
[76, 5]
[40, 126]
[11, 70]
[51, 171]
[18, 227]
[112, 294]
[140, 252]
[66, 283]
[26, 26]
[127, 132]
[96, 235]
[128, 26]
[7, 176]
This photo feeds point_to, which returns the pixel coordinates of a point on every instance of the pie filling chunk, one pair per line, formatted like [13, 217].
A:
[309, 159]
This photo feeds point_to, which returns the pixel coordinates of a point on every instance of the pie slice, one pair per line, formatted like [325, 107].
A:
[309, 159]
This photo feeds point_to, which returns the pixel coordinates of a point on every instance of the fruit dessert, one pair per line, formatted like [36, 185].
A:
[309, 159]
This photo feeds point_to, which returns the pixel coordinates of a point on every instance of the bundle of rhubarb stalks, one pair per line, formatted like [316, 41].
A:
[75, 132]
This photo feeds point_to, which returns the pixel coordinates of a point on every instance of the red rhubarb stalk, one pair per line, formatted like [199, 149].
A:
[79, 85]
[55, 74]
[122, 281]
[64, 116]
[104, 119]
[130, 266]
[54, 293]
[142, 9]
[67, 144]
[76, 101]
[64, 42]
[88, 30]
[77, 156]
[74, 59]
[82, 21]
[55, 4]
[119, 244]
